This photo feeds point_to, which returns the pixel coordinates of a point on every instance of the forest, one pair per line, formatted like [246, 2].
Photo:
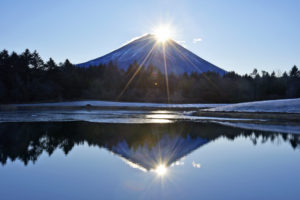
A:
[25, 77]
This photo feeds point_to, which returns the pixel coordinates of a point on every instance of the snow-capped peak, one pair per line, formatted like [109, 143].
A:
[146, 50]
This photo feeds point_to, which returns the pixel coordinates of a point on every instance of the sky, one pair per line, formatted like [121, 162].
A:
[234, 35]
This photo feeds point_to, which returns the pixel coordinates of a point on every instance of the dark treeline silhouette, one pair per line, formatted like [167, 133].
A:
[26, 77]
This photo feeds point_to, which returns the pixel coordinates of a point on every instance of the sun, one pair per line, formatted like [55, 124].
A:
[161, 170]
[163, 33]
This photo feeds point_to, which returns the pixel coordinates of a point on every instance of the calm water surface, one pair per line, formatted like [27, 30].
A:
[180, 160]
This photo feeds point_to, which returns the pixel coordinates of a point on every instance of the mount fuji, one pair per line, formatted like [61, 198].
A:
[167, 55]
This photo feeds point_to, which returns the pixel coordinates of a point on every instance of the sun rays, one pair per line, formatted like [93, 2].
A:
[166, 73]
[136, 72]
[163, 35]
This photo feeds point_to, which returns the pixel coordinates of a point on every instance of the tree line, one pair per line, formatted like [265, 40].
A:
[25, 77]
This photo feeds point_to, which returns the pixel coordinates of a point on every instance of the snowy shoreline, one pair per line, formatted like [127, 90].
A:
[270, 106]
[275, 115]
[93, 104]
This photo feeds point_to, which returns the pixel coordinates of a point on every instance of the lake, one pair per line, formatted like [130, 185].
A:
[180, 160]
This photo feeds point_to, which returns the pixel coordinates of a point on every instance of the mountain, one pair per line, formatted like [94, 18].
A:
[147, 50]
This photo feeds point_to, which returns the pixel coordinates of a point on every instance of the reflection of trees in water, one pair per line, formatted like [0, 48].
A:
[27, 141]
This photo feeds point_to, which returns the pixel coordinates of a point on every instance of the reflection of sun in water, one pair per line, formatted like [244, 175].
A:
[161, 170]
[163, 33]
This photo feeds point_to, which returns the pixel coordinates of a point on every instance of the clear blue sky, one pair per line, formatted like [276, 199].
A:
[236, 35]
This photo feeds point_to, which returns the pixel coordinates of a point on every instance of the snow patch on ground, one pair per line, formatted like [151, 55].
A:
[277, 106]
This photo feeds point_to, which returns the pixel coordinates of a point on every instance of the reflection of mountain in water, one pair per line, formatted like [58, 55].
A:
[167, 150]
[143, 144]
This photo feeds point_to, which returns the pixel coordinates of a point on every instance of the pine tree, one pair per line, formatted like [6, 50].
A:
[294, 72]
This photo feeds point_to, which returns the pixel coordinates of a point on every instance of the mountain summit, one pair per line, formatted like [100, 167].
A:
[167, 55]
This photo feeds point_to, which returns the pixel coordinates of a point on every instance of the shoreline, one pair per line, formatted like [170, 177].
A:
[273, 116]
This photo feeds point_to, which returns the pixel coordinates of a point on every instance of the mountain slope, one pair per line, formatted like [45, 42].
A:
[146, 50]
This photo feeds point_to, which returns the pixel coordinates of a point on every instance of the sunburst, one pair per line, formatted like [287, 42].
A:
[163, 33]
